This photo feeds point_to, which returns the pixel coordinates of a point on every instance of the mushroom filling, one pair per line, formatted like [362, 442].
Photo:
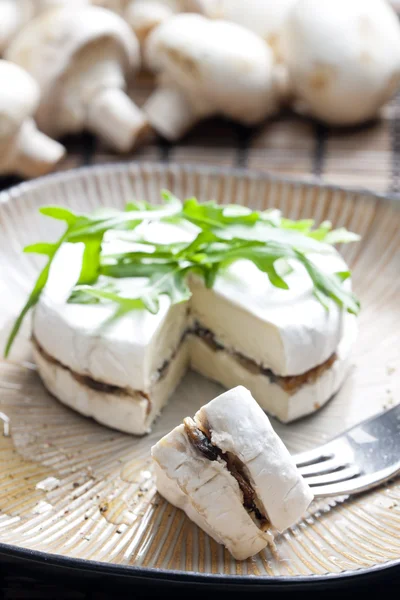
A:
[200, 440]
[94, 384]
[290, 383]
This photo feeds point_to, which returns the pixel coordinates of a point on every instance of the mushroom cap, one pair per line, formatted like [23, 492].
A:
[120, 6]
[264, 17]
[47, 45]
[344, 63]
[46, 4]
[223, 67]
[13, 15]
[144, 15]
[19, 97]
[117, 6]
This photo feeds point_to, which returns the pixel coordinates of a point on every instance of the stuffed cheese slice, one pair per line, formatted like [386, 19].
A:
[231, 474]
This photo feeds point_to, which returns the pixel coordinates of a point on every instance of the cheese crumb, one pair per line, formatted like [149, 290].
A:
[42, 507]
[49, 484]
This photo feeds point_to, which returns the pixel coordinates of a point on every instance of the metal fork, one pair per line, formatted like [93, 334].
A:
[357, 460]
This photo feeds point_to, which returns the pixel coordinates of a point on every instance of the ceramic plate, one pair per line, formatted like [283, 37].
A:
[103, 506]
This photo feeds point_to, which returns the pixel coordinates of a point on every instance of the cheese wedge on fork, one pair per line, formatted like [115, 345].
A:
[231, 474]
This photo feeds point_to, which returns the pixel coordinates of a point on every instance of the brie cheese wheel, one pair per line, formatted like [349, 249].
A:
[262, 337]
[231, 474]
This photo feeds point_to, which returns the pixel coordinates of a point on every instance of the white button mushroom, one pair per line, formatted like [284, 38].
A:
[80, 58]
[15, 14]
[207, 68]
[144, 15]
[265, 17]
[343, 58]
[23, 149]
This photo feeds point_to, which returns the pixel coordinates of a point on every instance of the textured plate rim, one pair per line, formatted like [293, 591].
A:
[178, 576]
[255, 174]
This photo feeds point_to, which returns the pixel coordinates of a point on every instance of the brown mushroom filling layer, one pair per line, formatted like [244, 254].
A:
[200, 439]
[289, 383]
[94, 384]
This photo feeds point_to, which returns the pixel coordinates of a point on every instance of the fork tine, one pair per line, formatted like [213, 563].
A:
[311, 457]
[329, 478]
[357, 484]
[356, 460]
[325, 466]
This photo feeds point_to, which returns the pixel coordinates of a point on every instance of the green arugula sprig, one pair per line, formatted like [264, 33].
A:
[223, 237]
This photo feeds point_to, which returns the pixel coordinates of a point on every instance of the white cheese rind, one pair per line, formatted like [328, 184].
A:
[126, 412]
[170, 490]
[208, 493]
[223, 367]
[287, 331]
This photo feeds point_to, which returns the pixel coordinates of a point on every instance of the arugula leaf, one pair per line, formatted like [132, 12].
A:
[321, 232]
[341, 236]
[124, 305]
[210, 215]
[132, 269]
[139, 205]
[264, 257]
[46, 249]
[59, 213]
[272, 216]
[34, 296]
[170, 280]
[322, 298]
[41, 248]
[343, 275]
[79, 295]
[303, 226]
[98, 225]
[330, 286]
[201, 241]
[90, 267]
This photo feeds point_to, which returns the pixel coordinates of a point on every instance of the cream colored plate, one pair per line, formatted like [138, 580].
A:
[104, 506]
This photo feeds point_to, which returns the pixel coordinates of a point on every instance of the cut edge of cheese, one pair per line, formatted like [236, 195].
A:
[128, 412]
[223, 367]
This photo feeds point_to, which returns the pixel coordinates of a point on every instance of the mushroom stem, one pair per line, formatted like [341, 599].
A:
[34, 152]
[170, 112]
[283, 85]
[113, 116]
